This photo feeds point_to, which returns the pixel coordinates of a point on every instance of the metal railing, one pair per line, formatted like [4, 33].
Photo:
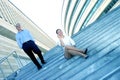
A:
[7, 65]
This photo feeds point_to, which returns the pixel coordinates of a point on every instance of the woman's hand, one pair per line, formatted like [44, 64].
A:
[58, 36]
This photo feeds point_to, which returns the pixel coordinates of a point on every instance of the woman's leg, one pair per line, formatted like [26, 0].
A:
[74, 52]
[74, 48]
[67, 55]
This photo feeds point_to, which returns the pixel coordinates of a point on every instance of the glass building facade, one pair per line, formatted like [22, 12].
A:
[10, 15]
[78, 14]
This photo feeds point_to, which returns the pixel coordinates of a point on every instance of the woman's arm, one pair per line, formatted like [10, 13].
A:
[61, 40]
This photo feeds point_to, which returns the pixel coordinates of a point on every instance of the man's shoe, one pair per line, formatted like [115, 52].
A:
[44, 62]
[39, 67]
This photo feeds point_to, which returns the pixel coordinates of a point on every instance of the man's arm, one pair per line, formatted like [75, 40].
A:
[18, 42]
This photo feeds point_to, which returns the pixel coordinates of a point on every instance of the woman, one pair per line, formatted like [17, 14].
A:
[68, 45]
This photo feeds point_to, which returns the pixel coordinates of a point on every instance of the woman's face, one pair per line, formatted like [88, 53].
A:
[59, 32]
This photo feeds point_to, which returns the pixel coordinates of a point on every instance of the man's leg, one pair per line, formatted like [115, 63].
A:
[38, 52]
[32, 57]
[41, 58]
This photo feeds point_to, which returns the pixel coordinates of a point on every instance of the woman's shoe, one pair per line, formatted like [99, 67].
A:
[85, 52]
[86, 56]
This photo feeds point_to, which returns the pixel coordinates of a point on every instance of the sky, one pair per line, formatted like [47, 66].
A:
[45, 13]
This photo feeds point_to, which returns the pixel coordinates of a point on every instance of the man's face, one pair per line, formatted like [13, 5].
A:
[18, 28]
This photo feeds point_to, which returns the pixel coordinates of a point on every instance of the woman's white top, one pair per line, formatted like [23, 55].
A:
[68, 41]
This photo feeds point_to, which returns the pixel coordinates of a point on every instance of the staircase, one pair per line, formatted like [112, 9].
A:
[102, 38]
[9, 64]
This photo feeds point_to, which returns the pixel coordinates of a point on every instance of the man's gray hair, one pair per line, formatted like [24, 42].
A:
[17, 25]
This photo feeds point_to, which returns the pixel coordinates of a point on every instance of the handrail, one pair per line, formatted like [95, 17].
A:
[3, 59]
[18, 62]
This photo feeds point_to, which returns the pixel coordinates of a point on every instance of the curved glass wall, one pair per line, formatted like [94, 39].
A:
[78, 14]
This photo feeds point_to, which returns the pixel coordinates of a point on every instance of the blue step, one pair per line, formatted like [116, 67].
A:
[102, 38]
[114, 75]
[100, 67]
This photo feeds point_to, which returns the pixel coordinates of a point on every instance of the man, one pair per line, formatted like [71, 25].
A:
[26, 42]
